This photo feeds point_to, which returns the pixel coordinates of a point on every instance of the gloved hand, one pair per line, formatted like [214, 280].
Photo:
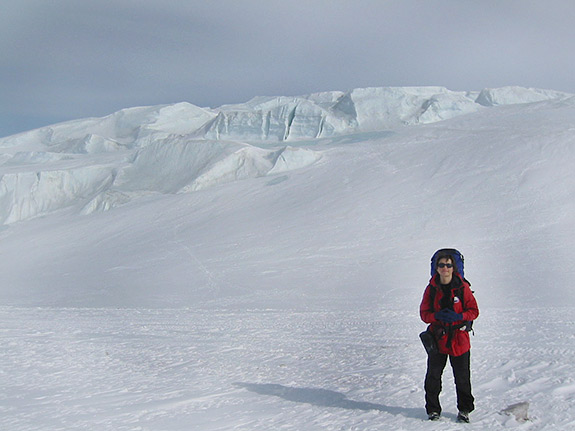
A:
[448, 316]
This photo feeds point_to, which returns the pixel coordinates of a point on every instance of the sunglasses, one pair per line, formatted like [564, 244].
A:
[443, 265]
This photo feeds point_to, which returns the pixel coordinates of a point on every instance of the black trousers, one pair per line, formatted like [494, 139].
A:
[462, 373]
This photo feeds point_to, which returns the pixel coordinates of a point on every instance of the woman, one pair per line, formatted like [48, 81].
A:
[448, 304]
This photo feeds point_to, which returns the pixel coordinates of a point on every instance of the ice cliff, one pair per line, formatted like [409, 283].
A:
[98, 163]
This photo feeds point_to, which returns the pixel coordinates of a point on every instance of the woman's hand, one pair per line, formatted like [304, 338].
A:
[448, 316]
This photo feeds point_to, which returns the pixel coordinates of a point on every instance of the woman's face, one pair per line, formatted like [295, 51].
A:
[445, 267]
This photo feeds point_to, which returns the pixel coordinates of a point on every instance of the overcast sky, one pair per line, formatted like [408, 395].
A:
[69, 59]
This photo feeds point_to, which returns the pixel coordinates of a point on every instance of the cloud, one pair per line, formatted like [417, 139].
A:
[67, 59]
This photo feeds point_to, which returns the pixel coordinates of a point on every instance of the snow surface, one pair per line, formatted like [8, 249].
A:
[260, 266]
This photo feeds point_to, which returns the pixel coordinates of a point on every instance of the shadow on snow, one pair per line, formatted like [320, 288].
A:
[326, 398]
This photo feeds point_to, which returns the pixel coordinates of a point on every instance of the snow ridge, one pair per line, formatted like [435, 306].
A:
[101, 163]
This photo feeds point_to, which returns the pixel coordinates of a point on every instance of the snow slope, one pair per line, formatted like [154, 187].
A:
[260, 266]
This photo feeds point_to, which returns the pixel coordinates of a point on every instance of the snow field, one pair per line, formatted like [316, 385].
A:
[141, 369]
[154, 279]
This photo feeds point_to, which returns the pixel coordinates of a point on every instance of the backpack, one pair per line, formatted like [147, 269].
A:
[459, 261]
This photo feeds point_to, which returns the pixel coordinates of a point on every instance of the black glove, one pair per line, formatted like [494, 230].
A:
[448, 316]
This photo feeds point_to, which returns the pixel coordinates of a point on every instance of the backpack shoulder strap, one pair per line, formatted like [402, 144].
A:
[432, 292]
[468, 324]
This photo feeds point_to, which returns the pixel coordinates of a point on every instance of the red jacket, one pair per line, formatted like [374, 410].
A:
[459, 343]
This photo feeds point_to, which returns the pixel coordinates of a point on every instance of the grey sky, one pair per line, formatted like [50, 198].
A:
[68, 59]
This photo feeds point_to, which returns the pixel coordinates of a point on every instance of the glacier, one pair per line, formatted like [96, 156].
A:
[101, 163]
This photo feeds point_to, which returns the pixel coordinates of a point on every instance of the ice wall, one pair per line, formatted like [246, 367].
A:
[100, 163]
